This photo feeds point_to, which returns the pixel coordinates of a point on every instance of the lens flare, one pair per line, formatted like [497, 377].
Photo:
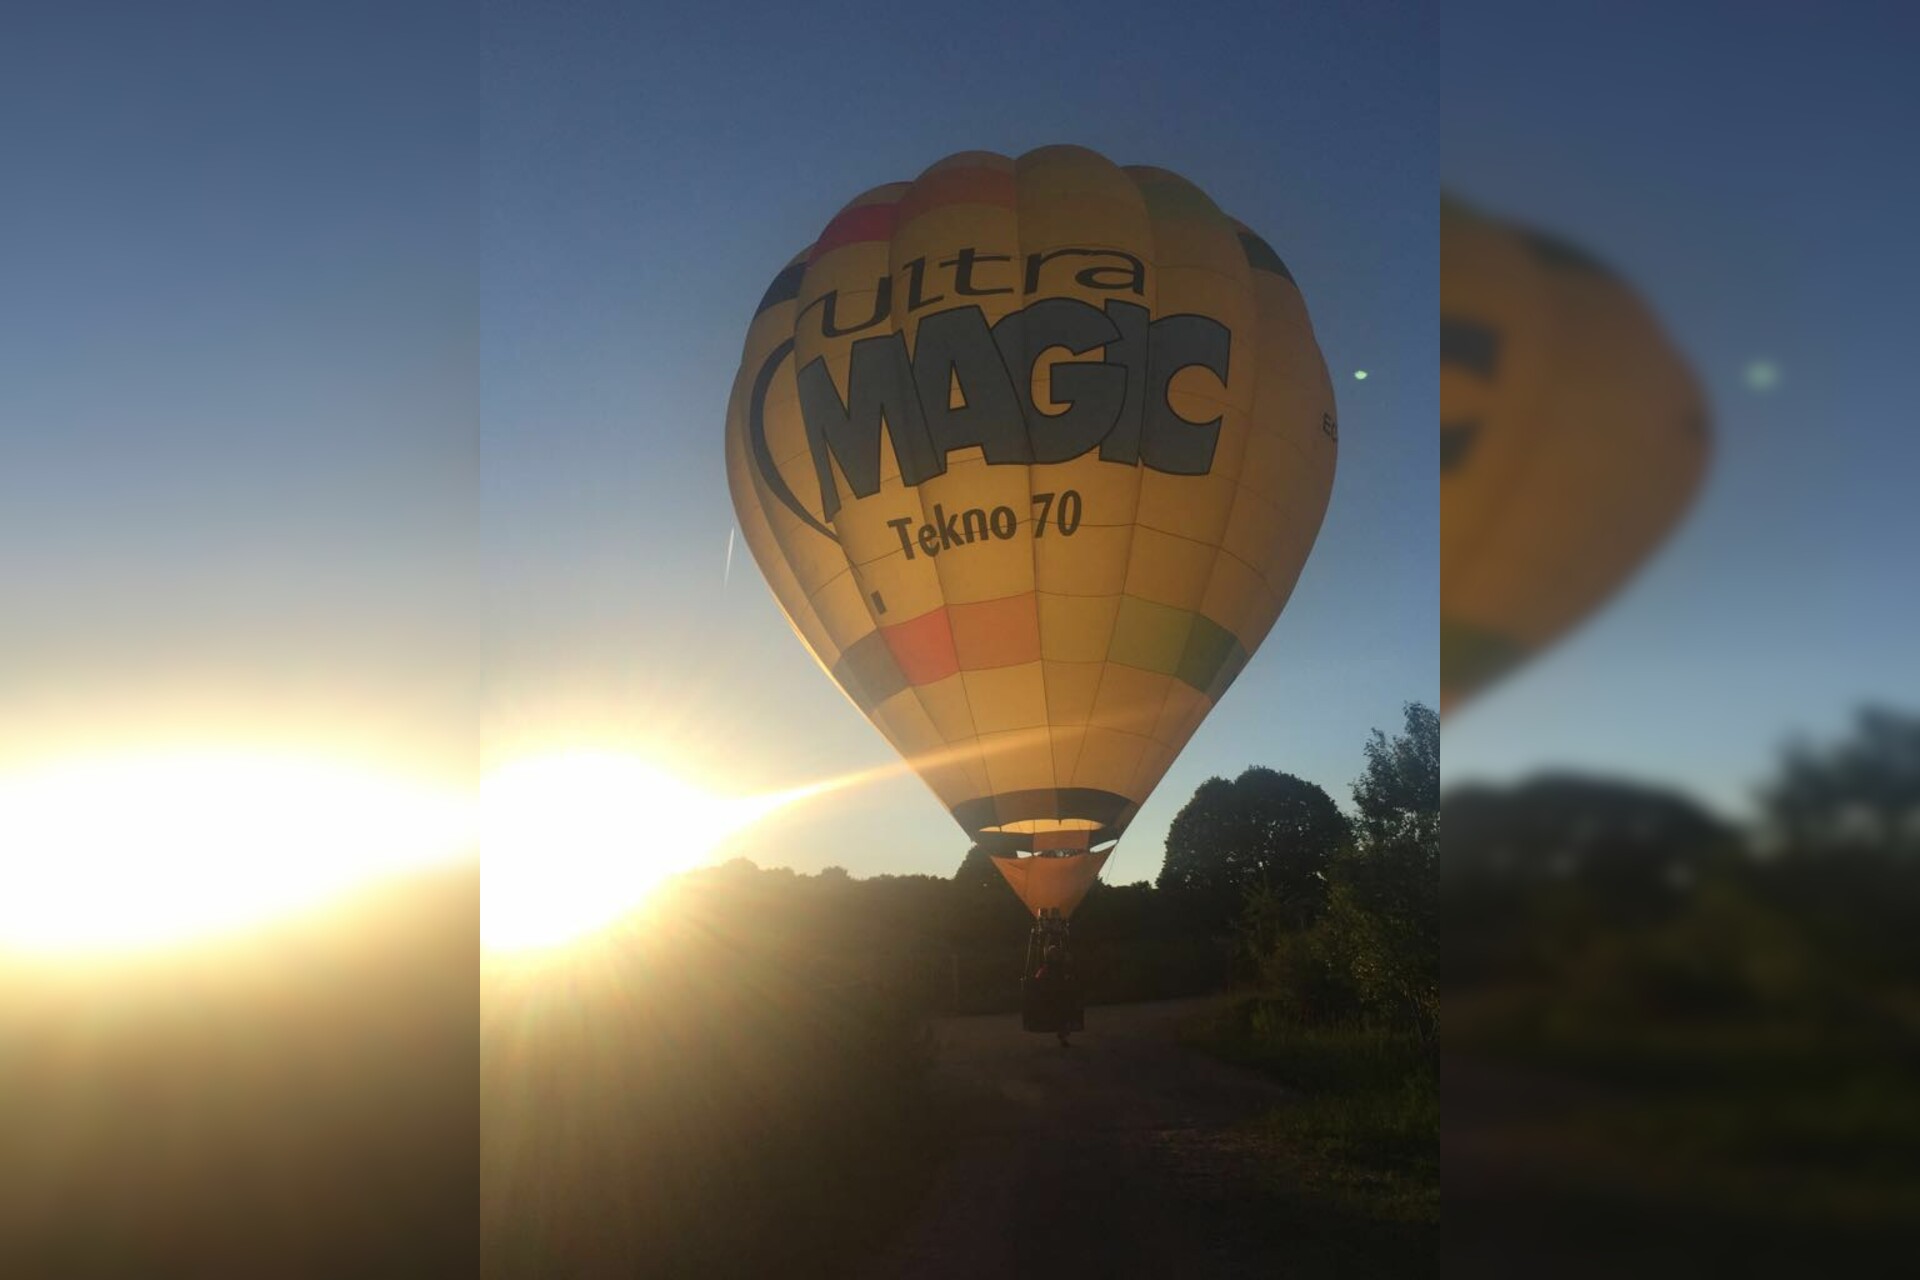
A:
[571, 842]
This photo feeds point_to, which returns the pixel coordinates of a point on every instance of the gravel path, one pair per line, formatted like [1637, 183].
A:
[1123, 1156]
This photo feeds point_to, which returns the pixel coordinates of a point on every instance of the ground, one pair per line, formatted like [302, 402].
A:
[1129, 1154]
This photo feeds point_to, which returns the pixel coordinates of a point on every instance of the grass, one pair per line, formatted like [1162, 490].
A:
[1807, 1116]
[1778, 1141]
[1364, 1133]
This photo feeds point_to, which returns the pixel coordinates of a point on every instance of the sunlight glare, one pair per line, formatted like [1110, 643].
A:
[571, 842]
[146, 849]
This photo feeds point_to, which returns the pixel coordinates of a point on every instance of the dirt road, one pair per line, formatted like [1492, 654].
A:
[1126, 1155]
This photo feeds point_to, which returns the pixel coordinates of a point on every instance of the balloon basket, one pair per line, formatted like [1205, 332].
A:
[1050, 999]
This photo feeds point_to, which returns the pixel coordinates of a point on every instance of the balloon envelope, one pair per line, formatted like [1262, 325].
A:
[1572, 439]
[1031, 452]
[1054, 883]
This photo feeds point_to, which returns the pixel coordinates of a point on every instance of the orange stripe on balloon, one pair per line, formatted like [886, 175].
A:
[970, 184]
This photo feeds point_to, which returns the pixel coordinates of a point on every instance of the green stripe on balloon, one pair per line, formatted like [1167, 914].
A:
[1236, 662]
[1181, 643]
[1175, 199]
[1152, 637]
[1210, 650]
[1472, 656]
[1261, 257]
[868, 671]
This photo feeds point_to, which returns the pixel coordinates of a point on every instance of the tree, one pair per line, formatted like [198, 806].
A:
[1625, 851]
[1382, 926]
[1373, 943]
[1398, 797]
[1537, 870]
[1264, 829]
[1844, 825]
[1381, 929]
[1863, 792]
[977, 871]
[1198, 837]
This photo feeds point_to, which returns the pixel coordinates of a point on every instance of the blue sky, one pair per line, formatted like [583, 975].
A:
[1749, 169]
[331, 414]
[237, 380]
[645, 173]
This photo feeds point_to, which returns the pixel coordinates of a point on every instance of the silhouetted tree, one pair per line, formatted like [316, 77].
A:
[1398, 797]
[977, 871]
[1541, 872]
[1863, 791]
[1382, 925]
[1630, 850]
[1263, 829]
[1381, 930]
[1844, 823]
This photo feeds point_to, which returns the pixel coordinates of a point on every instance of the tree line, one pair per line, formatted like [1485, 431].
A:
[1338, 916]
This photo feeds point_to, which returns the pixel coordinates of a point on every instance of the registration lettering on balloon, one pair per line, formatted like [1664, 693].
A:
[946, 531]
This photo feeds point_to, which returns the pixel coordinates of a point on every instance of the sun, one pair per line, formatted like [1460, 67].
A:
[153, 848]
[158, 847]
[573, 841]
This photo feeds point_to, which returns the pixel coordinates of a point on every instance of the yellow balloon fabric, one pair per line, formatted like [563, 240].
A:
[1573, 437]
[1031, 452]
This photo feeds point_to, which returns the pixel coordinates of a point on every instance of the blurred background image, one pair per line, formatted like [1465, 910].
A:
[1678, 618]
[237, 641]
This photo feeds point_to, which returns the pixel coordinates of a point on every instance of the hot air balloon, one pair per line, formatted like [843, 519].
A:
[1573, 437]
[1031, 452]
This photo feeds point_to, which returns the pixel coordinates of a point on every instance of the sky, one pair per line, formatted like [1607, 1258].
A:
[1766, 225]
[238, 462]
[363, 371]
[646, 171]
[239, 589]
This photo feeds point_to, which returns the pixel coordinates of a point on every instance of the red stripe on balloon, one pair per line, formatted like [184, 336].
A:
[923, 647]
[857, 225]
[997, 633]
